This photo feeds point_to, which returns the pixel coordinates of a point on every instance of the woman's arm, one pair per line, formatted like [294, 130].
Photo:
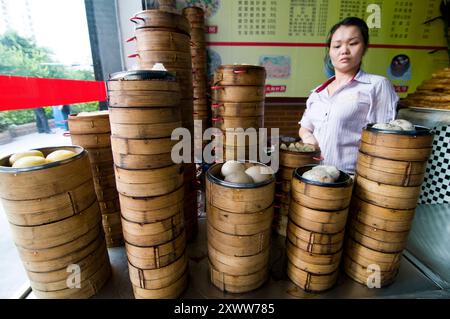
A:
[307, 136]
[384, 103]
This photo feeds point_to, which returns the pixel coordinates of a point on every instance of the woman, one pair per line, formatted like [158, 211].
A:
[337, 110]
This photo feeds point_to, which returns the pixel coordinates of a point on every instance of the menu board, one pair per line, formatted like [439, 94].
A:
[288, 38]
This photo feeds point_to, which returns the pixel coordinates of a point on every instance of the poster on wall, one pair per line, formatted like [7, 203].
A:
[288, 38]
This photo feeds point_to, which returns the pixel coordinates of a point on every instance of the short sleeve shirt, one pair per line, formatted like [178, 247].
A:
[337, 121]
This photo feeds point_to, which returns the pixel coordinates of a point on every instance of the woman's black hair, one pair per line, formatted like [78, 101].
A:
[350, 21]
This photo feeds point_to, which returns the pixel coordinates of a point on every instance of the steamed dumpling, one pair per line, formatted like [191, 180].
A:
[318, 175]
[258, 173]
[230, 167]
[404, 124]
[239, 177]
[387, 126]
[292, 147]
[331, 170]
[284, 147]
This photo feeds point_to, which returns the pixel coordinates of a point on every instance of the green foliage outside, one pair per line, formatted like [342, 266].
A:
[22, 57]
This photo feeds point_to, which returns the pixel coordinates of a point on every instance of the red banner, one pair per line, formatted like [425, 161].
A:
[18, 92]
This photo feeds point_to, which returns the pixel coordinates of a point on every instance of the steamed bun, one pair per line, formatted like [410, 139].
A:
[404, 124]
[331, 170]
[258, 173]
[239, 177]
[230, 167]
[387, 126]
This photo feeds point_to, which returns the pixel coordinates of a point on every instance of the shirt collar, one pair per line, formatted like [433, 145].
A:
[361, 77]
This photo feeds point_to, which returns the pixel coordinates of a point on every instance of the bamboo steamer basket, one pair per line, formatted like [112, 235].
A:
[238, 93]
[365, 256]
[104, 181]
[39, 260]
[397, 145]
[238, 122]
[144, 115]
[237, 284]
[153, 234]
[321, 196]
[170, 292]
[92, 140]
[93, 124]
[59, 257]
[153, 215]
[238, 109]
[57, 280]
[238, 246]
[238, 198]
[56, 233]
[194, 14]
[88, 288]
[298, 159]
[142, 162]
[158, 278]
[239, 224]
[106, 194]
[151, 182]
[170, 59]
[105, 169]
[240, 75]
[318, 264]
[151, 39]
[154, 257]
[147, 99]
[42, 211]
[375, 169]
[161, 19]
[141, 146]
[388, 196]
[237, 266]
[143, 204]
[111, 220]
[100, 155]
[311, 220]
[361, 274]
[316, 243]
[198, 63]
[311, 282]
[109, 206]
[238, 137]
[40, 182]
[381, 218]
[144, 131]
[198, 36]
[285, 173]
[388, 242]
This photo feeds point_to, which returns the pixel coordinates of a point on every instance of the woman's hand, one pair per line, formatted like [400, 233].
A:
[307, 137]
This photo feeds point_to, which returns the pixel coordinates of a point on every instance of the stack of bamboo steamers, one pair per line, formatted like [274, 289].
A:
[239, 229]
[196, 19]
[389, 173]
[144, 109]
[315, 235]
[93, 133]
[56, 225]
[289, 161]
[163, 37]
[238, 93]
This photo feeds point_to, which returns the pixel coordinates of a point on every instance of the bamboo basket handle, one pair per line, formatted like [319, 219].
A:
[239, 71]
[134, 55]
[66, 134]
[131, 39]
[217, 119]
[216, 105]
[318, 158]
[133, 19]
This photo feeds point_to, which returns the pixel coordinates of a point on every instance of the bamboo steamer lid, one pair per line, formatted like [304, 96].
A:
[161, 19]
[159, 278]
[388, 196]
[311, 282]
[318, 264]
[238, 93]
[237, 284]
[242, 198]
[154, 257]
[397, 145]
[321, 196]
[98, 122]
[170, 292]
[239, 224]
[240, 75]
